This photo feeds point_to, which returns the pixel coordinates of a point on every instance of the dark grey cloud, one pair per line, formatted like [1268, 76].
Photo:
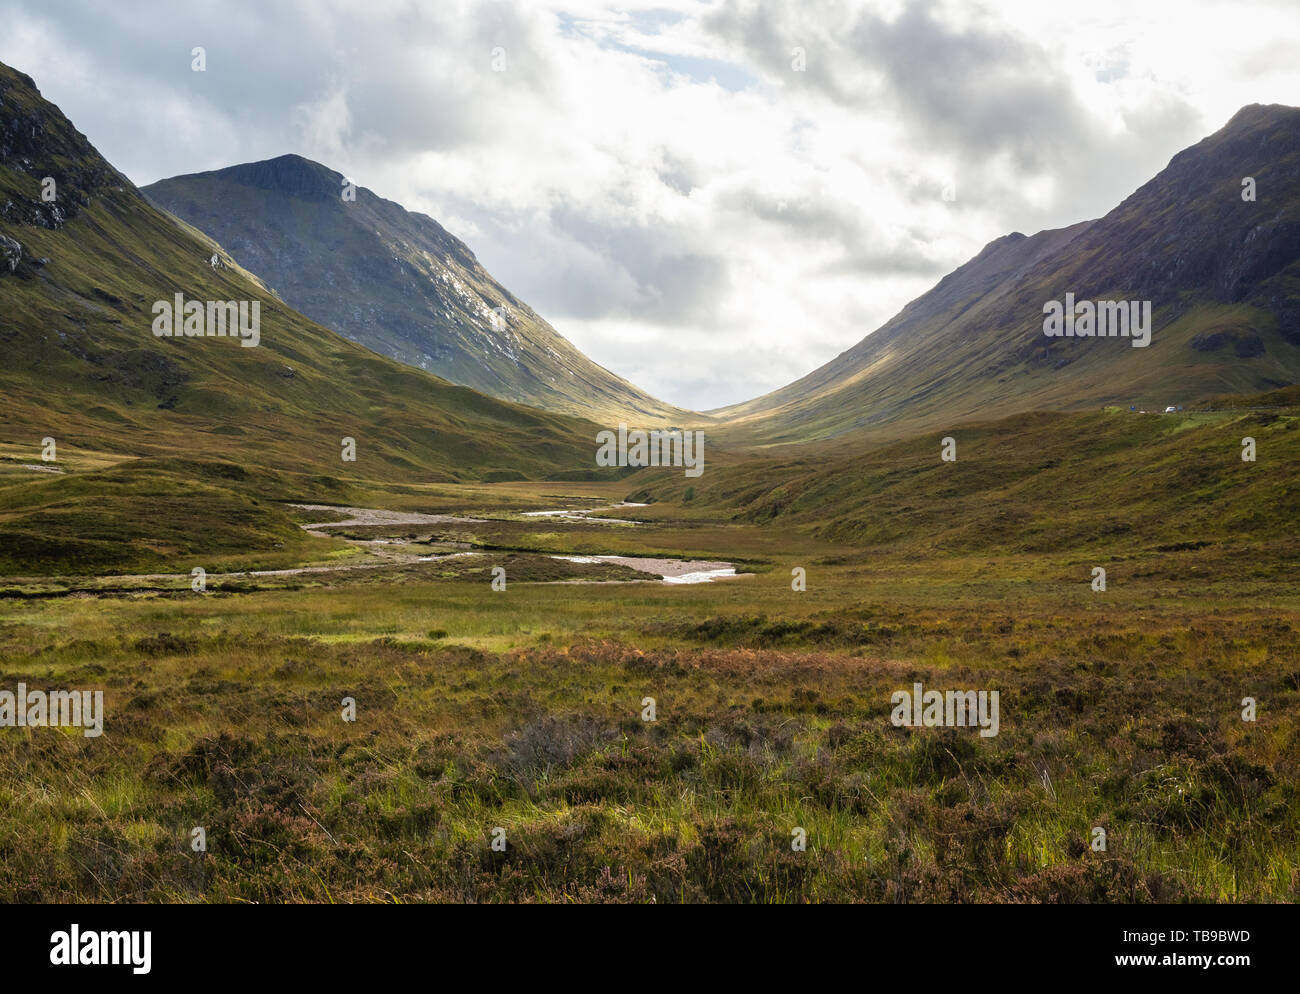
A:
[975, 89]
[978, 90]
[404, 82]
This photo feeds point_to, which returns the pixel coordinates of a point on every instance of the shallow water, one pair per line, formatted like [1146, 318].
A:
[584, 514]
[672, 570]
[677, 571]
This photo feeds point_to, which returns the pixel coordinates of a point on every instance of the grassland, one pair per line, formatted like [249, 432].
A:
[522, 710]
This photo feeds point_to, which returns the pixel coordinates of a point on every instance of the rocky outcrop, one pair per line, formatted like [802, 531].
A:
[11, 253]
[39, 143]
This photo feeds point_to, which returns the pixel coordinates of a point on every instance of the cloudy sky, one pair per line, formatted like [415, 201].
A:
[709, 197]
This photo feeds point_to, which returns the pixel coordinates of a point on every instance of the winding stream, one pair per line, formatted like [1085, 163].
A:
[674, 571]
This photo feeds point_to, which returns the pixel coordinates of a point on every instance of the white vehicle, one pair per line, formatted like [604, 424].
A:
[1170, 410]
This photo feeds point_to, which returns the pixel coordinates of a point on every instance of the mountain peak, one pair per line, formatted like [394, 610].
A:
[1254, 115]
[396, 282]
[291, 175]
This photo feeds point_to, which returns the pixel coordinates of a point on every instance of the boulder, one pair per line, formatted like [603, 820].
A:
[11, 253]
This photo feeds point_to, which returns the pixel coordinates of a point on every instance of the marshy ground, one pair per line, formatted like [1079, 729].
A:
[523, 710]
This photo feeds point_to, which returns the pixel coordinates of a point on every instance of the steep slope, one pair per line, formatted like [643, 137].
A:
[217, 423]
[1222, 274]
[396, 282]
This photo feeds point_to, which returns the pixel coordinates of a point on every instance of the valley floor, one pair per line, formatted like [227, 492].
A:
[520, 714]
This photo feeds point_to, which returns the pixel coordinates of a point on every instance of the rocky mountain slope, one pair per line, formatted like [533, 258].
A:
[396, 282]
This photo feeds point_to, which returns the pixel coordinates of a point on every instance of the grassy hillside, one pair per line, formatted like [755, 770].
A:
[82, 366]
[1107, 483]
[1222, 273]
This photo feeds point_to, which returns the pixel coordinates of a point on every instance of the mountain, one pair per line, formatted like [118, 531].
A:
[195, 432]
[398, 283]
[1222, 274]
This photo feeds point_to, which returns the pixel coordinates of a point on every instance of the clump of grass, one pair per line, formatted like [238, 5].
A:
[523, 711]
